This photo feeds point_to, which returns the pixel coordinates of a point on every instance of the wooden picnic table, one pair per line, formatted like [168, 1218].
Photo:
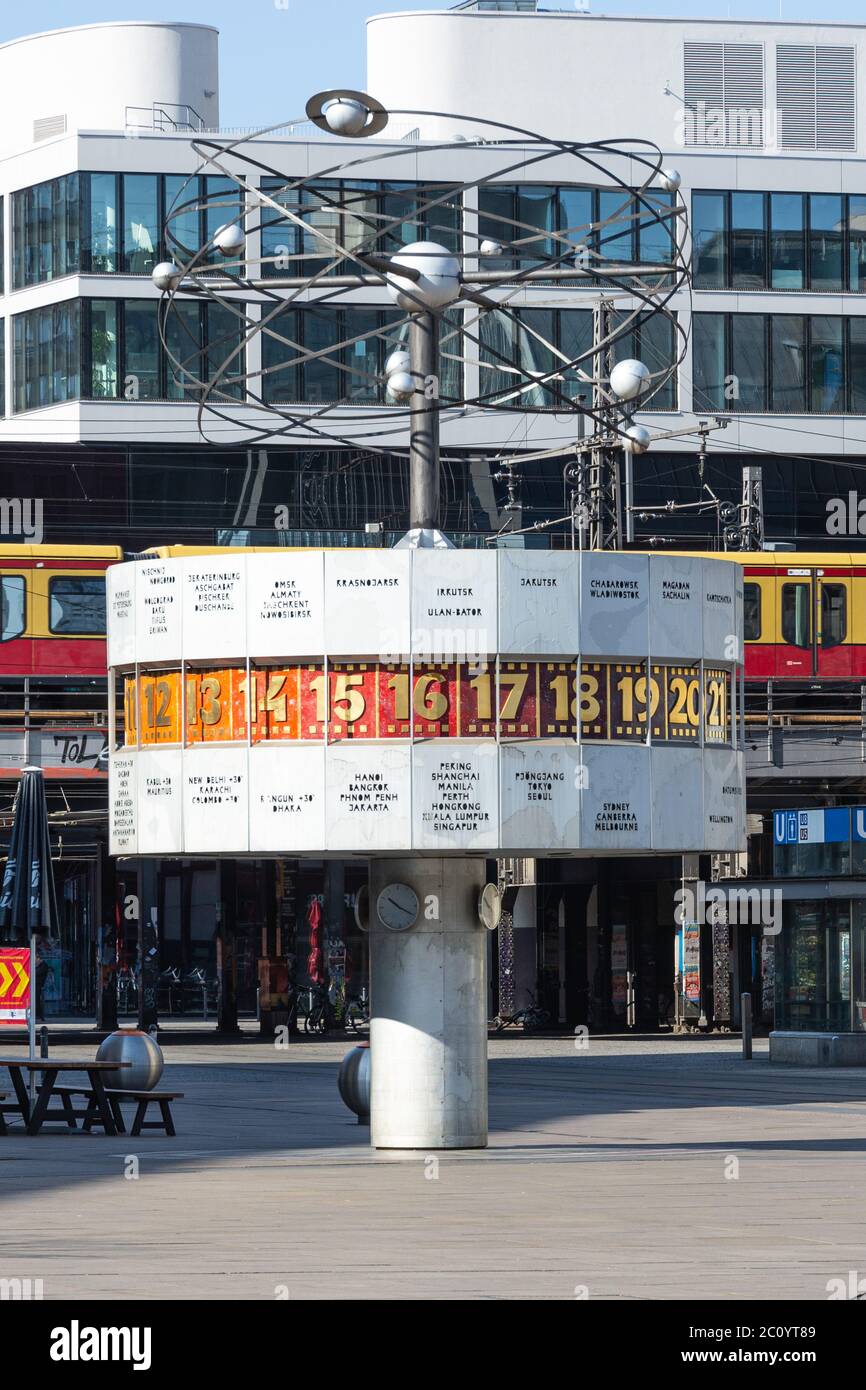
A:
[51, 1067]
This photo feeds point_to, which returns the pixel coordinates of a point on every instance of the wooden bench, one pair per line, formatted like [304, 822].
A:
[143, 1100]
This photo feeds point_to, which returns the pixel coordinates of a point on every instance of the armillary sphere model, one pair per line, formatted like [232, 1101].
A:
[455, 265]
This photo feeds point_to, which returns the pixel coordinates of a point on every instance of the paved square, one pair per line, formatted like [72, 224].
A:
[608, 1171]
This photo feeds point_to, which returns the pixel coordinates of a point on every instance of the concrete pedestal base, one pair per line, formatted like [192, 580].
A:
[428, 995]
[818, 1049]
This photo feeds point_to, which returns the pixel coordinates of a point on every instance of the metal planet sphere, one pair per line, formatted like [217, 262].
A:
[629, 378]
[489, 247]
[353, 1081]
[229, 239]
[398, 361]
[401, 385]
[637, 440]
[145, 1054]
[345, 116]
[671, 180]
[438, 283]
[166, 275]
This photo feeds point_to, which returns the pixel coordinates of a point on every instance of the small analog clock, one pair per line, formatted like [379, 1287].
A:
[490, 906]
[397, 906]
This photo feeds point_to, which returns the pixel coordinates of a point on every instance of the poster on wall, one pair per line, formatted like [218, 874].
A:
[692, 962]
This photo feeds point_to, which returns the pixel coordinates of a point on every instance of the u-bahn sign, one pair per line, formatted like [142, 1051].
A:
[378, 702]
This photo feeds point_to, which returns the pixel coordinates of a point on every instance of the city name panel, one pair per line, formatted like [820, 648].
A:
[384, 701]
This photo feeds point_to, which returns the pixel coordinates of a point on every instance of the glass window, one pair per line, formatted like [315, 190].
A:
[103, 223]
[536, 208]
[787, 241]
[281, 345]
[2, 369]
[363, 357]
[224, 203]
[497, 374]
[280, 238]
[748, 388]
[575, 340]
[834, 614]
[322, 378]
[399, 222]
[656, 348]
[443, 222]
[826, 228]
[12, 606]
[450, 351]
[748, 240]
[183, 220]
[827, 364]
[140, 223]
[708, 240]
[788, 362]
[183, 361]
[535, 341]
[796, 614]
[360, 221]
[141, 344]
[709, 365]
[496, 220]
[656, 243]
[752, 612]
[857, 244]
[47, 355]
[574, 218]
[224, 333]
[45, 223]
[103, 349]
[76, 605]
[857, 365]
[320, 204]
[72, 223]
[615, 242]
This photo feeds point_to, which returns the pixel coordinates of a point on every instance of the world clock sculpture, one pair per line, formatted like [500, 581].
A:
[426, 708]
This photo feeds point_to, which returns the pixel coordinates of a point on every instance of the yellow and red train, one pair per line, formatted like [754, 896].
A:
[805, 612]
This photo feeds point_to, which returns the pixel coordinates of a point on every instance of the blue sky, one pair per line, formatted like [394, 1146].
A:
[275, 53]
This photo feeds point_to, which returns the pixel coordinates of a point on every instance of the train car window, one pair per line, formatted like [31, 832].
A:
[834, 614]
[13, 606]
[752, 612]
[796, 617]
[76, 605]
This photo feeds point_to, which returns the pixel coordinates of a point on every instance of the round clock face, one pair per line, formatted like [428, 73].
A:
[397, 906]
[490, 906]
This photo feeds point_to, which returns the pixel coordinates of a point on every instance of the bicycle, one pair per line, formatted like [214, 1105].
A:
[321, 1016]
[357, 1013]
[533, 1018]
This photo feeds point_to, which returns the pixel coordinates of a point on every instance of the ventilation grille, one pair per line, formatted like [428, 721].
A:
[47, 126]
[816, 93]
[724, 93]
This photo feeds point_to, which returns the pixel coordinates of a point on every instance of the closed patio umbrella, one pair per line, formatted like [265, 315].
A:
[28, 901]
[315, 960]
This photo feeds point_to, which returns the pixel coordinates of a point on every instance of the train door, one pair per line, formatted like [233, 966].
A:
[834, 647]
[759, 624]
[16, 647]
[795, 656]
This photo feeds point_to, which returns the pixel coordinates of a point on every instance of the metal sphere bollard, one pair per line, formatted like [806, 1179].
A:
[145, 1054]
[353, 1079]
